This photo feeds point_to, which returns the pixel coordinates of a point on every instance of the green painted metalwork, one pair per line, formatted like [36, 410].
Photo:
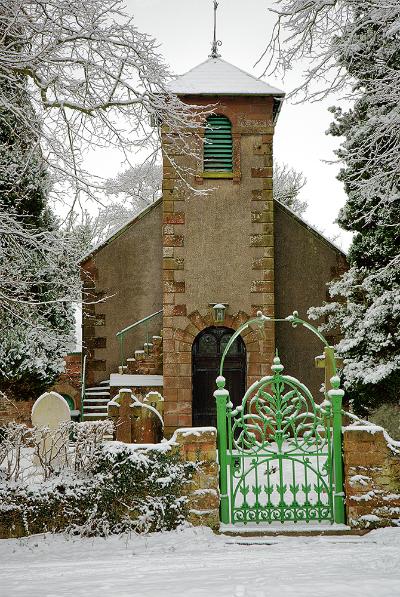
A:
[83, 383]
[336, 398]
[280, 453]
[121, 335]
[218, 147]
[221, 396]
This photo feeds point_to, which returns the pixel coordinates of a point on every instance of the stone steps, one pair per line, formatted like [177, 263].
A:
[253, 533]
[95, 401]
[146, 361]
[98, 388]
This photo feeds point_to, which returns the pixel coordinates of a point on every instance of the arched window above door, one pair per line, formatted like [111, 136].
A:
[212, 342]
[208, 344]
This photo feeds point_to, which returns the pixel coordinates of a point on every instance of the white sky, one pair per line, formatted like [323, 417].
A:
[184, 30]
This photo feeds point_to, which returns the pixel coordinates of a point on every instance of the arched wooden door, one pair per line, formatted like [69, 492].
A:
[206, 355]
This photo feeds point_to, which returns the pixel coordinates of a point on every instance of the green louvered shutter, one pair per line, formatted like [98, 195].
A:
[218, 144]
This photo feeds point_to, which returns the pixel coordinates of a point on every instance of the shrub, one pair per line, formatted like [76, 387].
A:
[100, 488]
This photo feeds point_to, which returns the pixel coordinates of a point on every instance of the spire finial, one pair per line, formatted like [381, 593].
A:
[216, 42]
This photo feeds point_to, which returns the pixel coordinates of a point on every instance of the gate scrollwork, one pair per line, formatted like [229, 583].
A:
[279, 410]
[280, 451]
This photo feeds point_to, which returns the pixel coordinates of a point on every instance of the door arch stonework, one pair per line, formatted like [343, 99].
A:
[177, 358]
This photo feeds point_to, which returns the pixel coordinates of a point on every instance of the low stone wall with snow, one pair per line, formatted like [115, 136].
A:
[372, 477]
[91, 486]
[199, 445]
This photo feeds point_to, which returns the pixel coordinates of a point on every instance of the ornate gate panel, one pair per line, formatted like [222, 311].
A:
[280, 452]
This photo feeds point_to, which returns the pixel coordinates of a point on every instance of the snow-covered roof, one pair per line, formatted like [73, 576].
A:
[218, 77]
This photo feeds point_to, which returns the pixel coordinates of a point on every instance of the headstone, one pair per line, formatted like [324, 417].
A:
[325, 362]
[50, 411]
[122, 415]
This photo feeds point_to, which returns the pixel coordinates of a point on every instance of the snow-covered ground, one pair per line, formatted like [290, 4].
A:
[196, 563]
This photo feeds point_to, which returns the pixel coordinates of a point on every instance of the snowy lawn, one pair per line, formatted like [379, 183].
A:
[196, 563]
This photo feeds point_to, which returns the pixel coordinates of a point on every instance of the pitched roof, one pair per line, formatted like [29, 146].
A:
[121, 230]
[310, 227]
[218, 77]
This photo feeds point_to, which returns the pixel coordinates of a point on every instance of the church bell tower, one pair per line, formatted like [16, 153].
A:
[218, 246]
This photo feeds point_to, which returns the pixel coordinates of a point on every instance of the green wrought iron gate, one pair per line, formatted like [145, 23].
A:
[280, 452]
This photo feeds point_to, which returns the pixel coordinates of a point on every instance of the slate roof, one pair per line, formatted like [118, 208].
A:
[218, 77]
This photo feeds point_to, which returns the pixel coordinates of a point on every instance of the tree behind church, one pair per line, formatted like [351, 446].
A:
[75, 76]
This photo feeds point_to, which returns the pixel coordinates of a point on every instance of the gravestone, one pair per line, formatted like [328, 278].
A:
[50, 411]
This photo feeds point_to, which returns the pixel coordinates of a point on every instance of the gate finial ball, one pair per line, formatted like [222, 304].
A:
[220, 381]
[277, 366]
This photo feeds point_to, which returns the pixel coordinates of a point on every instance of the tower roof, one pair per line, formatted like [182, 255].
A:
[218, 77]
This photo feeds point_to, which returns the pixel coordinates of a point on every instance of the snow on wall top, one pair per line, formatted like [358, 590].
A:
[218, 77]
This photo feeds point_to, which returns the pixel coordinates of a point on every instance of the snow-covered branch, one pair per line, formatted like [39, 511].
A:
[352, 47]
[94, 81]
[288, 183]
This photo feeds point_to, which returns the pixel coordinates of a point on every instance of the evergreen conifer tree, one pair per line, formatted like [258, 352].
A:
[367, 305]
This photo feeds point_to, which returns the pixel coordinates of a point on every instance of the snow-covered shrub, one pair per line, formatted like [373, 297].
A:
[13, 437]
[142, 488]
[96, 488]
[88, 437]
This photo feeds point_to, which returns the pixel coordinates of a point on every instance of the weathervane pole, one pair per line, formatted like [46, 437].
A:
[215, 43]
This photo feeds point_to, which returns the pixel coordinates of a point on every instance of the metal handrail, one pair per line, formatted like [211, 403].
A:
[122, 333]
[83, 383]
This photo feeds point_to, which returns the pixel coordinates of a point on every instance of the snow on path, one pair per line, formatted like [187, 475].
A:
[196, 563]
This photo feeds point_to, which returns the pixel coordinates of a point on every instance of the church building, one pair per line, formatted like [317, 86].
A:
[182, 275]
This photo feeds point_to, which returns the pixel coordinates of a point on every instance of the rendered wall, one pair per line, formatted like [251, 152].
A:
[127, 271]
[304, 264]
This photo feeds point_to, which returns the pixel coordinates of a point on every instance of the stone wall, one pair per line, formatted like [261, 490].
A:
[69, 381]
[372, 477]
[302, 254]
[199, 444]
[124, 276]
[196, 444]
[15, 410]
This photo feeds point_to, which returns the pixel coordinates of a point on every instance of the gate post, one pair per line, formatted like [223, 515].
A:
[336, 396]
[221, 396]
